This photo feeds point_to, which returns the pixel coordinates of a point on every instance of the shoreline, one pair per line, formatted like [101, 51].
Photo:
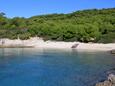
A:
[37, 42]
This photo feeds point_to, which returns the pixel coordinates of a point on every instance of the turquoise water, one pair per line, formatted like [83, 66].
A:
[36, 67]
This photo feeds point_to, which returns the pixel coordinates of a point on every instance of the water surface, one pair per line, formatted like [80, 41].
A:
[37, 67]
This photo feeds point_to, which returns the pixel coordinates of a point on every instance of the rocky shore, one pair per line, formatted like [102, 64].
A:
[109, 82]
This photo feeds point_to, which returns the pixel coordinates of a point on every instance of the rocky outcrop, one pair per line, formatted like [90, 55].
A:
[109, 82]
[105, 83]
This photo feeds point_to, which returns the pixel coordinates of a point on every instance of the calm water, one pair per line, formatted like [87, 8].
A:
[35, 67]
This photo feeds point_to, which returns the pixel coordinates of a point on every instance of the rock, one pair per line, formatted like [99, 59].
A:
[112, 51]
[109, 82]
[111, 71]
[105, 83]
[75, 46]
[111, 78]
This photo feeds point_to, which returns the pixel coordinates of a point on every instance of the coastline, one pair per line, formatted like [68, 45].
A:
[37, 42]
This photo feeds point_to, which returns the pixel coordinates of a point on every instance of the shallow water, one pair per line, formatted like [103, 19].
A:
[42, 67]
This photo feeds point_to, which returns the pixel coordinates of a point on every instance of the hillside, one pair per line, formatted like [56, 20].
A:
[85, 26]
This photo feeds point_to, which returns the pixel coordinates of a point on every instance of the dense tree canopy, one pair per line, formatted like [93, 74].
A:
[84, 26]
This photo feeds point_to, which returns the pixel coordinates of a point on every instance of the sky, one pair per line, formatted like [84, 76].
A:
[28, 8]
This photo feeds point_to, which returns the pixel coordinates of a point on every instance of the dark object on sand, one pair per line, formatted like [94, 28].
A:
[112, 51]
[75, 46]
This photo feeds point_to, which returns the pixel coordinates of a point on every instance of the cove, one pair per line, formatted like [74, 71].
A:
[51, 67]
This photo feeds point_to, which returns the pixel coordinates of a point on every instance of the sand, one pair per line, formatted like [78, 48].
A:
[37, 42]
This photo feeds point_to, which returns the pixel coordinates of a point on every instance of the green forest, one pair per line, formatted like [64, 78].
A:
[94, 25]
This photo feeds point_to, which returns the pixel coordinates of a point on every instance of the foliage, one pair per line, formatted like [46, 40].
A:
[84, 26]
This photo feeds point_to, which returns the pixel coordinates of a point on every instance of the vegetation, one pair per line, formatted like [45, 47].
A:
[84, 26]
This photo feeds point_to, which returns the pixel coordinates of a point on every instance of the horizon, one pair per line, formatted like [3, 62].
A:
[31, 8]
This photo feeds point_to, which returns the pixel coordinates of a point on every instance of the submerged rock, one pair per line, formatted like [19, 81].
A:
[109, 82]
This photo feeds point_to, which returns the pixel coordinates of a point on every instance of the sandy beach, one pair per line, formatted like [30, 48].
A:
[37, 42]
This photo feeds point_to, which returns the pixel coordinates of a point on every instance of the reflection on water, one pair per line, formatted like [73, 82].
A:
[43, 67]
